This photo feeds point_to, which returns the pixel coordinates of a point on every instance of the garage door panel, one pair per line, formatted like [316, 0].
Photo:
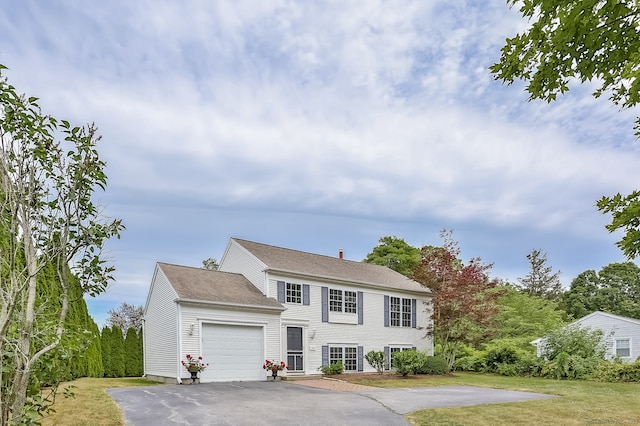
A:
[234, 352]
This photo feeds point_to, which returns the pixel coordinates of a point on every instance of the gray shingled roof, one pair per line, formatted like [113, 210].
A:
[316, 265]
[214, 286]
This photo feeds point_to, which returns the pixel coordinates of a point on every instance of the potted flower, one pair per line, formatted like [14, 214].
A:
[274, 367]
[194, 366]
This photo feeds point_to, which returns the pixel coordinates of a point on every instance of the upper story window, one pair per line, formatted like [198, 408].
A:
[335, 300]
[343, 301]
[294, 293]
[400, 312]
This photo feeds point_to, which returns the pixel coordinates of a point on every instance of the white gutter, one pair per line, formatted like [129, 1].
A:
[229, 305]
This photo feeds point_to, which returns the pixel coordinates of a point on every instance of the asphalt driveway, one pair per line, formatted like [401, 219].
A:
[288, 403]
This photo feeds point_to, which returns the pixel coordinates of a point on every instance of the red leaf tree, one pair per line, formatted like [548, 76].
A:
[464, 296]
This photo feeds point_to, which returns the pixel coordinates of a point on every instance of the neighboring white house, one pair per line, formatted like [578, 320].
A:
[621, 334]
[268, 302]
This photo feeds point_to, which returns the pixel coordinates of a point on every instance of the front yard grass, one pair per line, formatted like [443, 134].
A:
[577, 402]
[91, 405]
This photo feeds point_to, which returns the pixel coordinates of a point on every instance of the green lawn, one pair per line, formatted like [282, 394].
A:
[91, 405]
[577, 402]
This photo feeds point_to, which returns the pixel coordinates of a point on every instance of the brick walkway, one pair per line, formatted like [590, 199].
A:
[332, 384]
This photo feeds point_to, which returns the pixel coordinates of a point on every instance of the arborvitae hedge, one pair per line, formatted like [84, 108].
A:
[105, 344]
[117, 352]
[133, 353]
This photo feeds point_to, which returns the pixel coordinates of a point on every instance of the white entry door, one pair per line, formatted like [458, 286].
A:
[233, 352]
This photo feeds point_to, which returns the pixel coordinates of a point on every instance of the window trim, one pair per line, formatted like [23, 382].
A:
[629, 347]
[288, 293]
[347, 299]
[401, 312]
[343, 356]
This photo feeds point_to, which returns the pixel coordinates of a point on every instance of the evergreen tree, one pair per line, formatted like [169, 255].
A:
[105, 343]
[94, 352]
[133, 355]
[540, 281]
[117, 352]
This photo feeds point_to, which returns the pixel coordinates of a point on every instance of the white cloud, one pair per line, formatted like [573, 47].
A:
[378, 110]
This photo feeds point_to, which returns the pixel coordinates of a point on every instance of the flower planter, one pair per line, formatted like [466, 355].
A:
[194, 376]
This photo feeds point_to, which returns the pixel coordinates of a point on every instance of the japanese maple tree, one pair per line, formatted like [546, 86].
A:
[464, 303]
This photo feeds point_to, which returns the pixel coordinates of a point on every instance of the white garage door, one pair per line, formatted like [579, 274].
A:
[234, 352]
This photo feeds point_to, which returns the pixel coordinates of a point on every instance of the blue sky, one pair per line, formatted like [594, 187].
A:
[321, 126]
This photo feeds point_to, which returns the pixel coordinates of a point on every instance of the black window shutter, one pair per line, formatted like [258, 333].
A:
[360, 310]
[386, 311]
[325, 304]
[305, 294]
[281, 291]
[325, 355]
[414, 320]
[360, 358]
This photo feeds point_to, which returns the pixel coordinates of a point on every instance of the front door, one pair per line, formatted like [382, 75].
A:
[294, 349]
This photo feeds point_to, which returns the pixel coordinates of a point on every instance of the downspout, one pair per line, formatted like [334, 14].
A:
[179, 348]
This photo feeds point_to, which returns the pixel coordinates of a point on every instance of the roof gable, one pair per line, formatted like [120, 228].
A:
[607, 314]
[203, 285]
[315, 265]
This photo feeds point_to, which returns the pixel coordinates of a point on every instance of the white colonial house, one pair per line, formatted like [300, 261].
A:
[268, 302]
[621, 335]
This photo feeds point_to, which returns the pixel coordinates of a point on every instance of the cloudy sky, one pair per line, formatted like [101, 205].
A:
[320, 126]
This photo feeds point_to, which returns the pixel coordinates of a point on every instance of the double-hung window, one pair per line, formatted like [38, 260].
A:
[347, 355]
[335, 300]
[623, 348]
[343, 301]
[294, 293]
[406, 312]
[400, 311]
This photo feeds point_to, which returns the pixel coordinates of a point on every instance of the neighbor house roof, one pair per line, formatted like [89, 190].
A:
[315, 265]
[607, 314]
[207, 286]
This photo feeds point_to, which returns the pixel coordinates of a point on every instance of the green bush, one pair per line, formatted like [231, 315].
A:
[404, 362]
[333, 368]
[581, 342]
[376, 360]
[435, 365]
[565, 366]
[509, 357]
[472, 360]
[617, 372]
[414, 362]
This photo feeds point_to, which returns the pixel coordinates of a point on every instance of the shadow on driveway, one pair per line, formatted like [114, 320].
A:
[285, 403]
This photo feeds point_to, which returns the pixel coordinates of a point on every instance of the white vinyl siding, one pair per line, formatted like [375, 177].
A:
[370, 335]
[161, 329]
[237, 259]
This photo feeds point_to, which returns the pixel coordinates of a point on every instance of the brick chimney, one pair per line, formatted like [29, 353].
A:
[341, 254]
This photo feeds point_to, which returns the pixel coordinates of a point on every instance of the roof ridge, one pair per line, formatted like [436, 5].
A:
[196, 267]
[305, 252]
